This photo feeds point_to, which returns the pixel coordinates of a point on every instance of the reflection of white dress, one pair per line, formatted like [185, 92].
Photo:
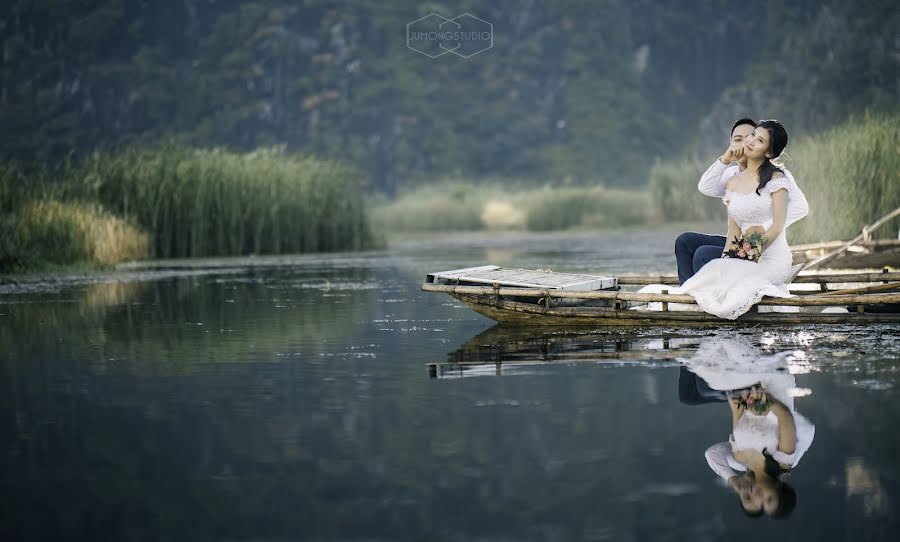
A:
[728, 287]
[730, 364]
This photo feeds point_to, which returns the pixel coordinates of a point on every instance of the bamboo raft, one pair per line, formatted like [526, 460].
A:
[540, 297]
[518, 296]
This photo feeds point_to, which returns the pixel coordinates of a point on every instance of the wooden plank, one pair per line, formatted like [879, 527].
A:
[523, 278]
[867, 289]
[797, 301]
[807, 278]
[455, 273]
[512, 312]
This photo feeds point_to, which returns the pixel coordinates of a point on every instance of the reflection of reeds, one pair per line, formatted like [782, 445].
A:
[861, 480]
[110, 294]
[63, 233]
[461, 206]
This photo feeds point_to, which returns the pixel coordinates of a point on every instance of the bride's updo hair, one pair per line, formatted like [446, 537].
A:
[778, 140]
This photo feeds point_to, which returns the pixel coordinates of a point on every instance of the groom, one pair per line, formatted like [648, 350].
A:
[694, 250]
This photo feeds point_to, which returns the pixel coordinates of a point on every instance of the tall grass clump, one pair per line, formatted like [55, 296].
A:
[200, 202]
[850, 177]
[673, 189]
[498, 205]
[443, 206]
[586, 207]
[54, 232]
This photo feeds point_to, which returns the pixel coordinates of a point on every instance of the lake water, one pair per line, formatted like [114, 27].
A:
[326, 398]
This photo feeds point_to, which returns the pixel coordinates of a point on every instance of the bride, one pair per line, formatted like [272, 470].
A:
[757, 201]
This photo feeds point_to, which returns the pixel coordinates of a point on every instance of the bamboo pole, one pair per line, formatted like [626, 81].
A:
[813, 278]
[867, 289]
[515, 312]
[827, 245]
[864, 235]
[810, 300]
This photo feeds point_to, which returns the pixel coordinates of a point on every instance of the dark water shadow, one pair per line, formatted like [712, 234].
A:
[506, 350]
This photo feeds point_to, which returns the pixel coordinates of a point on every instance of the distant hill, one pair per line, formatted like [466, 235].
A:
[590, 91]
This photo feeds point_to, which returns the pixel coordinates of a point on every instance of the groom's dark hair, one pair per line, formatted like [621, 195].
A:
[744, 120]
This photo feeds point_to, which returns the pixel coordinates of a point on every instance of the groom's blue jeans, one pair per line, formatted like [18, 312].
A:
[694, 250]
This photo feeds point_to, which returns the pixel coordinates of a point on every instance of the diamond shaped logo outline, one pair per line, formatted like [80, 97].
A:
[408, 25]
[490, 32]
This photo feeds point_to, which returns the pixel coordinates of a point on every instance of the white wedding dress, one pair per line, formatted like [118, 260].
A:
[728, 287]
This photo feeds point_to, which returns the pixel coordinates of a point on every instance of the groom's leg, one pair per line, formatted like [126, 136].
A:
[707, 253]
[686, 245]
[693, 390]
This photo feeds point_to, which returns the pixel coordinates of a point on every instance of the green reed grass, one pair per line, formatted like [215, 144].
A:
[588, 207]
[848, 174]
[192, 202]
[850, 177]
[673, 190]
[54, 232]
[211, 202]
[457, 205]
[443, 206]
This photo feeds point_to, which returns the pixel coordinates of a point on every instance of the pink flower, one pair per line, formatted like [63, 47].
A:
[747, 247]
[742, 254]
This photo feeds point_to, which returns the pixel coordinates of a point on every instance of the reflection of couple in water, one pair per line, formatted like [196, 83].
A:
[768, 436]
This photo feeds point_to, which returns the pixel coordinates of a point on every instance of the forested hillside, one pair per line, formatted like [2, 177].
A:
[586, 90]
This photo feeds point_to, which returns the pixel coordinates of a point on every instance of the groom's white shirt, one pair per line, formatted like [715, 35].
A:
[712, 184]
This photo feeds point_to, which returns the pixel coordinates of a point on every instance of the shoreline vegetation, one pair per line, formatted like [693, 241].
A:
[848, 173]
[456, 205]
[173, 202]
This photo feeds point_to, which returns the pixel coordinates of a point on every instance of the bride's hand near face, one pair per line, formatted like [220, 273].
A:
[732, 154]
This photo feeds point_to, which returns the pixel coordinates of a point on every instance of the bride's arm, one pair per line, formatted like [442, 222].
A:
[733, 231]
[787, 430]
[779, 215]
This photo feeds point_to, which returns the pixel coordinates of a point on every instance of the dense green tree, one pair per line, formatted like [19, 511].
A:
[581, 90]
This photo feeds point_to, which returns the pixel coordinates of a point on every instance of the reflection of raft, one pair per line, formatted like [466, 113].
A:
[519, 350]
[546, 298]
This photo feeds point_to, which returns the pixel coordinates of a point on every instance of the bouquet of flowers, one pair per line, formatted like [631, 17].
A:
[746, 247]
[754, 399]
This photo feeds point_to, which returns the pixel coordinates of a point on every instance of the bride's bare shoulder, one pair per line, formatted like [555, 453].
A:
[732, 181]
